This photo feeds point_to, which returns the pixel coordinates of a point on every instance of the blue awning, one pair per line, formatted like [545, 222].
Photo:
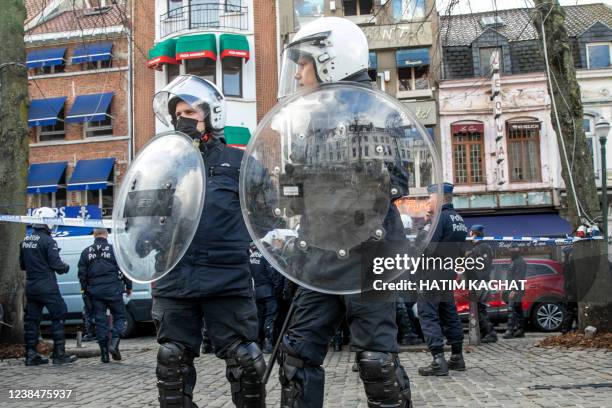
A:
[372, 60]
[45, 177]
[45, 112]
[47, 57]
[91, 174]
[89, 108]
[522, 225]
[412, 57]
[92, 53]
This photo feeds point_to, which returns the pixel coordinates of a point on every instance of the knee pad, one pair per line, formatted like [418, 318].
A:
[289, 363]
[175, 375]
[245, 370]
[385, 381]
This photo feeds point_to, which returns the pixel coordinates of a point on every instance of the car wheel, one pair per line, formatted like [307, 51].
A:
[548, 316]
[130, 326]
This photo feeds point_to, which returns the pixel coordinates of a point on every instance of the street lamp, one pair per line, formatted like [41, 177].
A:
[602, 128]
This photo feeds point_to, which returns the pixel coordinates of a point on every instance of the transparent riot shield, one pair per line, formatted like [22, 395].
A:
[158, 207]
[331, 171]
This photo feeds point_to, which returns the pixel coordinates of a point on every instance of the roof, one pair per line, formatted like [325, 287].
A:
[77, 19]
[33, 8]
[463, 29]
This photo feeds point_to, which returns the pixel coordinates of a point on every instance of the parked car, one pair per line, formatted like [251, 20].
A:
[543, 300]
[138, 305]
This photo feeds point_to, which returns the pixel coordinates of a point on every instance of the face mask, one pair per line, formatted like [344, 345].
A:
[189, 127]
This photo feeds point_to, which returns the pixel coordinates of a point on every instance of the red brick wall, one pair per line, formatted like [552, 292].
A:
[83, 82]
[266, 86]
[144, 78]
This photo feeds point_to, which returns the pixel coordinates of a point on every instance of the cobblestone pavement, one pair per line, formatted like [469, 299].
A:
[498, 375]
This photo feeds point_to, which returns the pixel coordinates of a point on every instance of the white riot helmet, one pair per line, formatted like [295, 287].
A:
[337, 47]
[44, 212]
[195, 91]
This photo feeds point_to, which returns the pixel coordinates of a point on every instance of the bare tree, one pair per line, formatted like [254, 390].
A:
[13, 165]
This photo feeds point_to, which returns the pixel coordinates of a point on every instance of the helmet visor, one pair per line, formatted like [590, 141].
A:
[187, 88]
[299, 68]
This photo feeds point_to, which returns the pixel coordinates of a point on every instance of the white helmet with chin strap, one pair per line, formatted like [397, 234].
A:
[337, 46]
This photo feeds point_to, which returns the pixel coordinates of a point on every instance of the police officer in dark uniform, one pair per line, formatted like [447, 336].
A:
[213, 280]
[267, 284]
[483, 250]
[102, 281]
[39, 258]
[517, 272]
[436, 308]
[333, 49]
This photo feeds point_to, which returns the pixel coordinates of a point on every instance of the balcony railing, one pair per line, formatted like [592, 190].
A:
[205, 16]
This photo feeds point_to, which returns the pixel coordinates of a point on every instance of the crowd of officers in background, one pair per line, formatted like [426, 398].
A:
[103, 286]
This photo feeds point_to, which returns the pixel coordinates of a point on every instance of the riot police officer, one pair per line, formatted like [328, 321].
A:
[102, 281]
[436, 308]
[329, 50]
[483, 250]
[517, 272]
[267, 284]
[212, 281]
[39, 258]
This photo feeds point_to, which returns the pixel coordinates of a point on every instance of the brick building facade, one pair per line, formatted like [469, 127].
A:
[83, 118]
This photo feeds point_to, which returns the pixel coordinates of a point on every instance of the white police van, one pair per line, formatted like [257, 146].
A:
[138, 305]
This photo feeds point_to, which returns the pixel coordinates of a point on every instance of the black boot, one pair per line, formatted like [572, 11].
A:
[114, 348]
[104, 353]
[32, 358]
[489, 338]
[60, 356]
[456, 362]
[437, 367]
[519, 333]
[509, 333]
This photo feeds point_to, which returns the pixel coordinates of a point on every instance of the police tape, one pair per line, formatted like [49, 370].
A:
[59, 221]
[527, 240]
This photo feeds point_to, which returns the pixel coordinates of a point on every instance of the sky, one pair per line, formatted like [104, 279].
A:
[463, 7]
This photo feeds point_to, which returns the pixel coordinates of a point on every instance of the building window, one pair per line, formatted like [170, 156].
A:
[468, 153]
[485, 58]
[413, 78]
[53, 132]
[93, 65]
[172, 71]
[598, 55]
[372, 66]
[589, 131]
[357, 7]
[232, 6]
[174, 5]
[49, 70]
[99, 128]
[232, 76]
[203, 67]
[524, 151]
[56, 199]
[307, 10]
[407, 10]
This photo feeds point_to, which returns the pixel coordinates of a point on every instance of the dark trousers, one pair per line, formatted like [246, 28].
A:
[486, 327]
[516, 317]
[314, 322]
[33, 314]
[117, 310]
[266, 315]
[439, 319]
[404, 320]
[89, 317]
[229, 320]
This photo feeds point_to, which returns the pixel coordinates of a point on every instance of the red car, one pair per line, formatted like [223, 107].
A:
[543, 300]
